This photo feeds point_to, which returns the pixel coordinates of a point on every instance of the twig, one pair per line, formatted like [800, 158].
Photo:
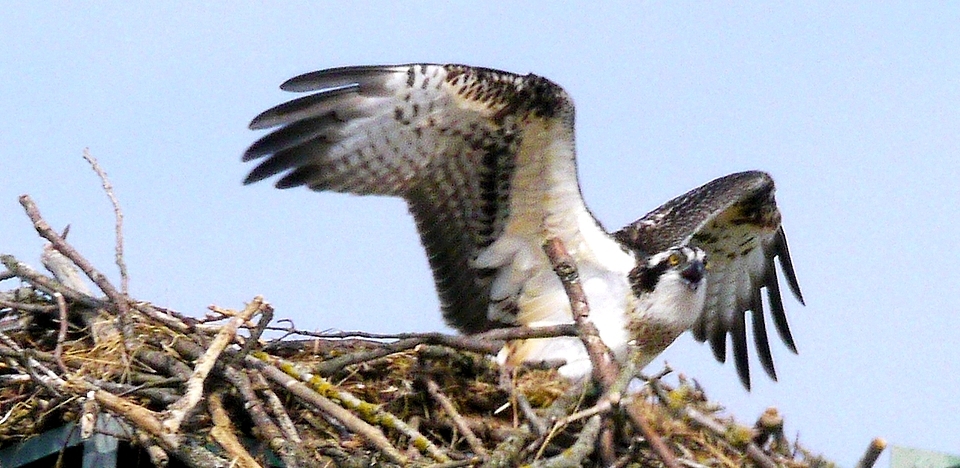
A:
[118, 215]
[636, 417]
[118, 300]
[252, 341]
[224, 434]
[578, 452]
[873, 452]
[163, 316]
[23, 307]
[606, 370]
[539, 426]
[89, 415]
[149, 422]
[475, 444]
[194, 392]
[372, 413]
[602, 407]
[156, 453]
[353, 423]
[488, 342]
[275, 406]
[159, 396]
[499, 334]
[702, 420]
[507, 453]
[333, 365]
[101, 326]
[39, 372]
[457, 463]
[46, 284]
[287, 450]
[61, 333]
[164, 363]
[605, 442]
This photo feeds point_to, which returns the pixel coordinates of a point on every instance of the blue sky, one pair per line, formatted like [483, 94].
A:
[854, 109]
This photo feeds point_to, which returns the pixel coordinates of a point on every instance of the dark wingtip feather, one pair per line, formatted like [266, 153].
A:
[251, 179]
[266, 169]
[298, 134]
[783, 254]
[776, 307]
[334, 77]
[297, 177]
[308, 81]
[718, 343]
[760, 336]
[738, 335]
[306, 107]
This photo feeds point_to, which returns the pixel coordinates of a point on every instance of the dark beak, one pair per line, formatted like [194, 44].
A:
[693, 272]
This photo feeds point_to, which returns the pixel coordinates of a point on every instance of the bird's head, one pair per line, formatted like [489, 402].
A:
[671, 285]
[682, 265]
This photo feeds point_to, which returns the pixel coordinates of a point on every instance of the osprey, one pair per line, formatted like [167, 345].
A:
[485, 161]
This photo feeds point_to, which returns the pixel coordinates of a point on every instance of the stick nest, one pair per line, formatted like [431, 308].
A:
[211, 391]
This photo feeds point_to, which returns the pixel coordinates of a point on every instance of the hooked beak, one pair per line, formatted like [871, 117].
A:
[693, 273]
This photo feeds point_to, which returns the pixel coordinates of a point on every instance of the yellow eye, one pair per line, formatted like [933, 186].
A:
[674, 259]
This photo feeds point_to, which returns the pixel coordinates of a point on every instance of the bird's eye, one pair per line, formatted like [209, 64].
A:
[673, 259]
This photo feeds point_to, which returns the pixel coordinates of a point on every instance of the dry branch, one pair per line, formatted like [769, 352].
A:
[606, 371]
[873, 452]
[118, 216]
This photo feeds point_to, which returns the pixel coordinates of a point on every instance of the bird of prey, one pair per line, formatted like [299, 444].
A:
[485, 161]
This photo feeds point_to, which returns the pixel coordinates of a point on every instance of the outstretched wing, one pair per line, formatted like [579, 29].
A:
[735, 220]
[484, 159]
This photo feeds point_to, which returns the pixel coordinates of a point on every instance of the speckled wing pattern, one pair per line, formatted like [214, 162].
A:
[473, 151]
[735, 220]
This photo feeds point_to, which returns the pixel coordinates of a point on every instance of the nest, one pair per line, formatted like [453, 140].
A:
[211, 391]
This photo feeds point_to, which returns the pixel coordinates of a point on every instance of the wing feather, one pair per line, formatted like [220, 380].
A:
[481, 156]
[735, 220]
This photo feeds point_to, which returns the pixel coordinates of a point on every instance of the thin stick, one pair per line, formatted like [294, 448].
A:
[275, 405]
[194, 392]
[141, 417]
[61, 333]
[577, 453]
[45, 231]
[23, 271]
[224, 433]
[488, 342]
[500, 334]
[118, 214]
[458, 420]
[286, 449]
[873, 452]
[606, 370]
[356, 425]
[719, 429]
[158, 456]
[24, 307]
[636, 417]
[252, 341]
[372, 413]
[39, 372]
